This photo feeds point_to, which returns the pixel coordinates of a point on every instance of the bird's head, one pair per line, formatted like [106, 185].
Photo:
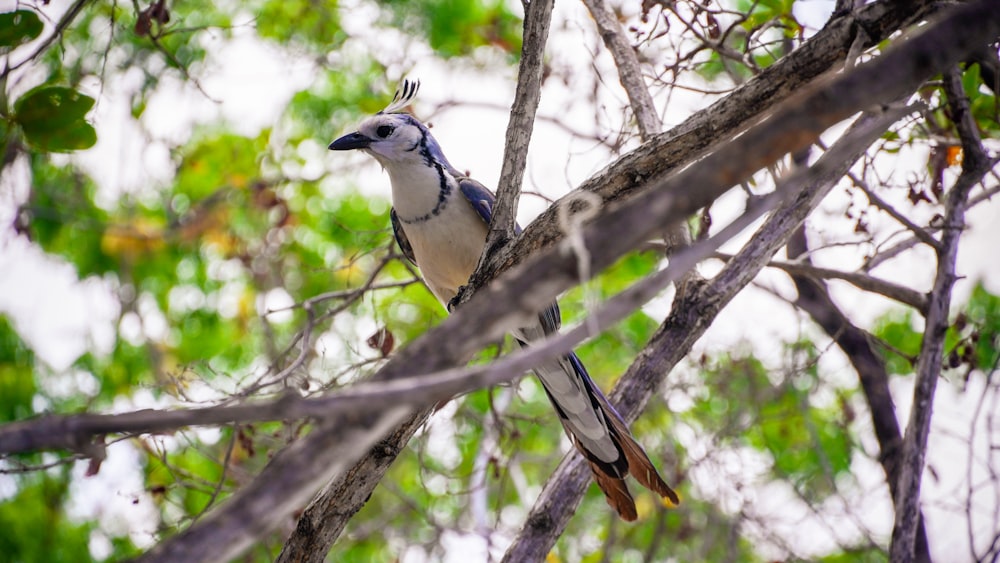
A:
[395, 139]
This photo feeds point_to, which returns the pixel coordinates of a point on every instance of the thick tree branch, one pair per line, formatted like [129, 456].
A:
[974, 165]
[681, 145]
[324, 519]
[630, 76]
[537, 17]
[692, 313]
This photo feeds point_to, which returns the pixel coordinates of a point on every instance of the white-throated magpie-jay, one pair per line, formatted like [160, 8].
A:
[440, 218]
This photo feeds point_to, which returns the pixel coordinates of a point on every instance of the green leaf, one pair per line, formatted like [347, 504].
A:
[52, 118]
[64, 220]
[35, 528]
[984, 311]
[19, 27]
[899, 333]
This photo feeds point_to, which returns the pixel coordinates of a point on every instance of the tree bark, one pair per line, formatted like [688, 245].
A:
[974, 165]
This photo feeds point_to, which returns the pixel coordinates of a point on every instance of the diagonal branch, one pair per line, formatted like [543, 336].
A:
[71, 14]
[681, 145]
[690, 316]
[326, 516]
[873, 198]
[281, 488]
[629, 71]
[630, 76]
[537, 17]
[904, 245]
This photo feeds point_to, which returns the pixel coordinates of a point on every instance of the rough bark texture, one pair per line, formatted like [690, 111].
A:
[324, 519]
[525, 289]
[974, 165]
[693, 311]
[529, 86]
[681, 145]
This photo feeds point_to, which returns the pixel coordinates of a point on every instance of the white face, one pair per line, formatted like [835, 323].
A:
[394, 139]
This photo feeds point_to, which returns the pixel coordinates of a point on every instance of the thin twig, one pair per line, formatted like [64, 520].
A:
[860, 280]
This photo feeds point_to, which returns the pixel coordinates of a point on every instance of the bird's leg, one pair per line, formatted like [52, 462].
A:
[455, 301]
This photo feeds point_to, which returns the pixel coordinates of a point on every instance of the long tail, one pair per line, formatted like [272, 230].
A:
[600, 434]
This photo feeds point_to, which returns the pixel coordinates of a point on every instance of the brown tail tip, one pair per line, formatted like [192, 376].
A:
[616, 493]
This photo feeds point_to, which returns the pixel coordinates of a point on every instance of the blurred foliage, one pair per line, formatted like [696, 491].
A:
[458, 27]
[19, 27]
[17, 386]
[210, 268]
[972, 342]
[35, 526]
[756, 42]
[744, 403]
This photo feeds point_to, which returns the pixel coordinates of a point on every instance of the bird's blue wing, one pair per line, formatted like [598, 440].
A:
[482, 200]
[401, 240]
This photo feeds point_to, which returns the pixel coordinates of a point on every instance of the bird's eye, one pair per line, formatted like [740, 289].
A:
[384, 131]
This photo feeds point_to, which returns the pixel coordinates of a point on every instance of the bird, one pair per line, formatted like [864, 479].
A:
[440, 218]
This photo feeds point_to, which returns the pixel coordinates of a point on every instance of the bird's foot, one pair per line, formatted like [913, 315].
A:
[456, 300]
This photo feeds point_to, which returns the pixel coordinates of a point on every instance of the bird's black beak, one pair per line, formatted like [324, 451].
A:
[350, 141]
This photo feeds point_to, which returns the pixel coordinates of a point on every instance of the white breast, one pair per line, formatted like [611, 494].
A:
[446, 245]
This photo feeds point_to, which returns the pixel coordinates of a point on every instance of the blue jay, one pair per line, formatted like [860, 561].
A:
[440, 219]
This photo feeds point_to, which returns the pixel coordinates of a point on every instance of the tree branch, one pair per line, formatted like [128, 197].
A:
[71, 14]
[326, 516]
[537, 17]
[902, 246]
[280, 489]
[668, 151]
[630, 76]
[692, 313]
[919, 232]
[974, 165]
[862, 281]
[629, 71]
